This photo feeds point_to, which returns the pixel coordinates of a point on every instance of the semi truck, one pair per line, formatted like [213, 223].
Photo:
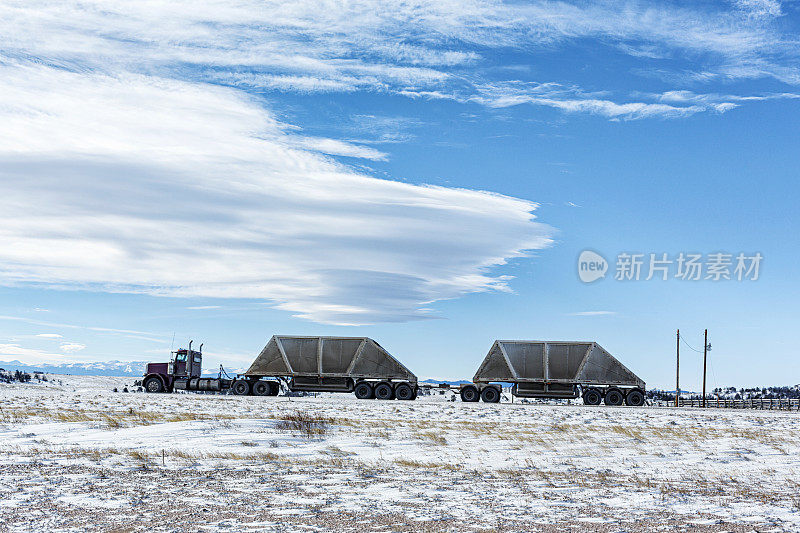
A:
[534, 369]
[312, 364]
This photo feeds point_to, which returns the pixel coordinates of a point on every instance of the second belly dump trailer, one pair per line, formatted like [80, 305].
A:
[546, 369]
[535, 369]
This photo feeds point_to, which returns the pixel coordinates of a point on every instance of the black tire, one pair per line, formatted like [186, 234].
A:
[274, 388]
[634, 398]
[614, 397]
[490, 395]
[261, 388]
[404, 391]
[384, 391]
[592, 397]
[240, 387]
[470, 394]
[364, 391]
[153, 384]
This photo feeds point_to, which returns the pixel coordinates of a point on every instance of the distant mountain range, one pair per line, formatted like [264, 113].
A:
[437, 381]
[106, 368]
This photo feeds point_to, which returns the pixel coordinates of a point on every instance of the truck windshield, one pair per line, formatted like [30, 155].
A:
[181, 357]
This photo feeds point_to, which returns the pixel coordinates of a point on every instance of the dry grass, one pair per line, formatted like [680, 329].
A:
[139, 455]
[433, 437]
[335, 451]
[106, 418]
[304, 424]
[436, 466]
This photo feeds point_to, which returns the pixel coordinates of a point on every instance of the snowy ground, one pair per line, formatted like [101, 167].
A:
[79, 455]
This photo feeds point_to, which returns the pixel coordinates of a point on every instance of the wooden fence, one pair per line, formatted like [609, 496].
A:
[779, 404]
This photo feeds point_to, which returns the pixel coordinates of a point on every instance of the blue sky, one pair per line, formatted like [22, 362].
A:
[425, 175]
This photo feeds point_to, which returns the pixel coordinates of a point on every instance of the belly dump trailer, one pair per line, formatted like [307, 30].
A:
[312, 364]
[547, 369]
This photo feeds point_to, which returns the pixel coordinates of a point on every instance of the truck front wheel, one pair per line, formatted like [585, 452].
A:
[153, 384]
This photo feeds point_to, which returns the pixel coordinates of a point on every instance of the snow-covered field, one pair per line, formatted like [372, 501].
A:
[78, 456]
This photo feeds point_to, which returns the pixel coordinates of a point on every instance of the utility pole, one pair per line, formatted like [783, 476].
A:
[678, 369]
[705, 360]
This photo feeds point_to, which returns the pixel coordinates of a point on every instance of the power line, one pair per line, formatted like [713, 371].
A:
[690, 347]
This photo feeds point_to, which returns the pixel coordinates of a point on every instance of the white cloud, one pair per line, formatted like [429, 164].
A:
[391, 46]
[342, 148]
[570, 100]
[712, 99]
[182, 189]
[153, 172]
[71, 347]
[27, 355]
[50, 336]
[124, 332]
[760, 8]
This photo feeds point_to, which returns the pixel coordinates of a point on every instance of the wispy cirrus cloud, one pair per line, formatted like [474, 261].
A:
[144, 135]
[400, 48]
[672, 104]
[181, 189]
[98, 329]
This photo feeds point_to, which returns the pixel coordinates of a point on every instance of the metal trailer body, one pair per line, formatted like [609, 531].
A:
[333, 364]
[557, 369]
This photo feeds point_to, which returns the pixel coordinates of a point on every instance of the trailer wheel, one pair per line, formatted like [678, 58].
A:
[614, 397]
[404, 391]
[592, 397]
[490, 395]
[153, 384]
[363, 391]
[274, 388]
[634, 398]
[240, 387]
[470, 394]
[261, 388]
[384, 391]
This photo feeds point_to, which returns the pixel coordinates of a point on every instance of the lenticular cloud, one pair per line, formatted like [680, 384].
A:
[136, 184]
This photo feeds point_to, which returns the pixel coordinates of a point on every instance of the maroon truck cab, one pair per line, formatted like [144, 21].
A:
[185, 367]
